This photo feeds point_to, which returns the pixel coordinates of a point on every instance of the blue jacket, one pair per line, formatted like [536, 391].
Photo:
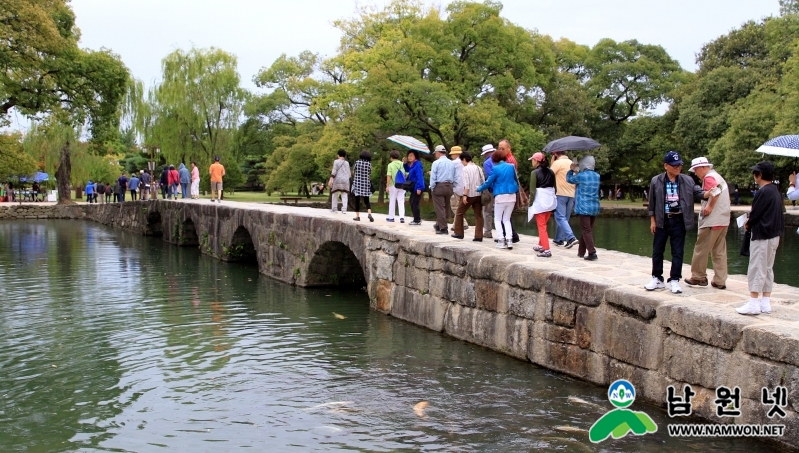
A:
[416, 174]
[183, 172]
[89, 188]
[502, 180]
[133, 183]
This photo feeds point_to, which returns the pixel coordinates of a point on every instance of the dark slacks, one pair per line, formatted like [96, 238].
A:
[477, 207]
[441, 196]
[414, 200]
[366, 202]
[587, 239]
[673, 231]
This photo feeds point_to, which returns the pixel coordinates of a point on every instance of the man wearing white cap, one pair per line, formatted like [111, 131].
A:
[714, 219]
[488, 208]
[442, 177]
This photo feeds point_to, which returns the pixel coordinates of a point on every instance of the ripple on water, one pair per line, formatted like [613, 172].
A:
[111, 341]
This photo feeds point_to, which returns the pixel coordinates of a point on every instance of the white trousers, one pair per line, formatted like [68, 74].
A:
[334, 201]
[502, 212]
[396, 197]
[195, 188]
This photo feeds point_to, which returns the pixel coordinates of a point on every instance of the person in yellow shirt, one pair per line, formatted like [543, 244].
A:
[561, 164]
[217, 171]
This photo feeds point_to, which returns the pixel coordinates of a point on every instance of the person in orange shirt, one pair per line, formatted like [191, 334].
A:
[217, 171]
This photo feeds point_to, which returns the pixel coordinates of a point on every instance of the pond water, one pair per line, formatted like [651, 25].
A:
[110, 341]
[631, 235]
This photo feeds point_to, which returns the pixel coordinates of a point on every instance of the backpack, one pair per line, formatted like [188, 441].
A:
[399, 179]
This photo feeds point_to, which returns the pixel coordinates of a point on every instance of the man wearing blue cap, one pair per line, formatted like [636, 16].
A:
[671, 213]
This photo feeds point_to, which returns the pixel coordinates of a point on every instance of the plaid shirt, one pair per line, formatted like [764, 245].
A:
[586, 196]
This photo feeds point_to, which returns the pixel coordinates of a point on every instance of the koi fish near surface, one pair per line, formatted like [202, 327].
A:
[331, 404]
[419, 408]
[576, 400]
[338, 316]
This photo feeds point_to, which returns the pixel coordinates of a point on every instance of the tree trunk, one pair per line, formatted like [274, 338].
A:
[381, 181]
[63, 174]
[630, 192]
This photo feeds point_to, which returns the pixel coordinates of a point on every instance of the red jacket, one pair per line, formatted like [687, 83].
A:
[173, 177]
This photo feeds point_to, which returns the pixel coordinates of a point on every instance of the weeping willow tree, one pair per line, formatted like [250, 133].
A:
[45, 141]
[194, 111]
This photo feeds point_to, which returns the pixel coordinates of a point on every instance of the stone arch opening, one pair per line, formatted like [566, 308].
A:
[241, 248]
[188, 234]
[334, 264]
[154, 226]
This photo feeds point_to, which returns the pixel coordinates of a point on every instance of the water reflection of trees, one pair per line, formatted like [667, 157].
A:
[60, 368]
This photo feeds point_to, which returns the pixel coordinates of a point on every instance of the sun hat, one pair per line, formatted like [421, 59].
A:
[537, 157]
[488, 149]
[455, 150]
[700, 162]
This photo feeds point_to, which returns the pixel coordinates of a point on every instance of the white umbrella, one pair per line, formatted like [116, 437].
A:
[784, 145]
[410, 142]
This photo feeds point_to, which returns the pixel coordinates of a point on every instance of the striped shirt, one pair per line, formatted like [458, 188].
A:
[472, 179]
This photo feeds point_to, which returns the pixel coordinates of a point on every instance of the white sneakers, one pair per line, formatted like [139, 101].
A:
[654, 284]
[755, 307]
[750, 308]
[674, 285]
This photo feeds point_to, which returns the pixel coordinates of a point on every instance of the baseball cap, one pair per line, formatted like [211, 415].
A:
[488, 149]
[537, 157]
[672, 158]
[441, 149]
[764, 167]
[216, 158]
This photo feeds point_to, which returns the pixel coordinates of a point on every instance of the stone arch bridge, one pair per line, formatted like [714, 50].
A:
[590, 320]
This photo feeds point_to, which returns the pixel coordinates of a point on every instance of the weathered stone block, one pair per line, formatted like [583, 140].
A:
[454, 289]
[581, 291]
[717, 326]
[563, 312]
[569, 359]
[527, 275]
[424, 310]
[497, 331]
[522, 302]
[620, 336]
[381, 265]
[384, 289]
[644, 305]
[488, 294]
[775, 342]
[681, 357]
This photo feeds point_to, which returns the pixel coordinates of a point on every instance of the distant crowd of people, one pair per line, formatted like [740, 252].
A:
[171, 182]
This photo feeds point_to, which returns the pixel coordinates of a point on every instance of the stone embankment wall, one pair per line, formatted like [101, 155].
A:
[576, 322]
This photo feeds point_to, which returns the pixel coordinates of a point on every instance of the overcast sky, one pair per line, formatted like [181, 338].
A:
[142, 32]
[258, 31]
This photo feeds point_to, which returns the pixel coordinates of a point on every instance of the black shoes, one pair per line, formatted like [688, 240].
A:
[477, 240]
[571, 243]
[457, 236]
[591, 257]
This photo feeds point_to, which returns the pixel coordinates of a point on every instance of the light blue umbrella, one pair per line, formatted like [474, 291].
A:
[410, 142]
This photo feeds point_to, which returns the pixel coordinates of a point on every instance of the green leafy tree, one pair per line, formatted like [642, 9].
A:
[193, 113]
[14, 161]
[47, 74]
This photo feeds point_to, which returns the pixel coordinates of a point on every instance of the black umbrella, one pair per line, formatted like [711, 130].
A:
[571, 143]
